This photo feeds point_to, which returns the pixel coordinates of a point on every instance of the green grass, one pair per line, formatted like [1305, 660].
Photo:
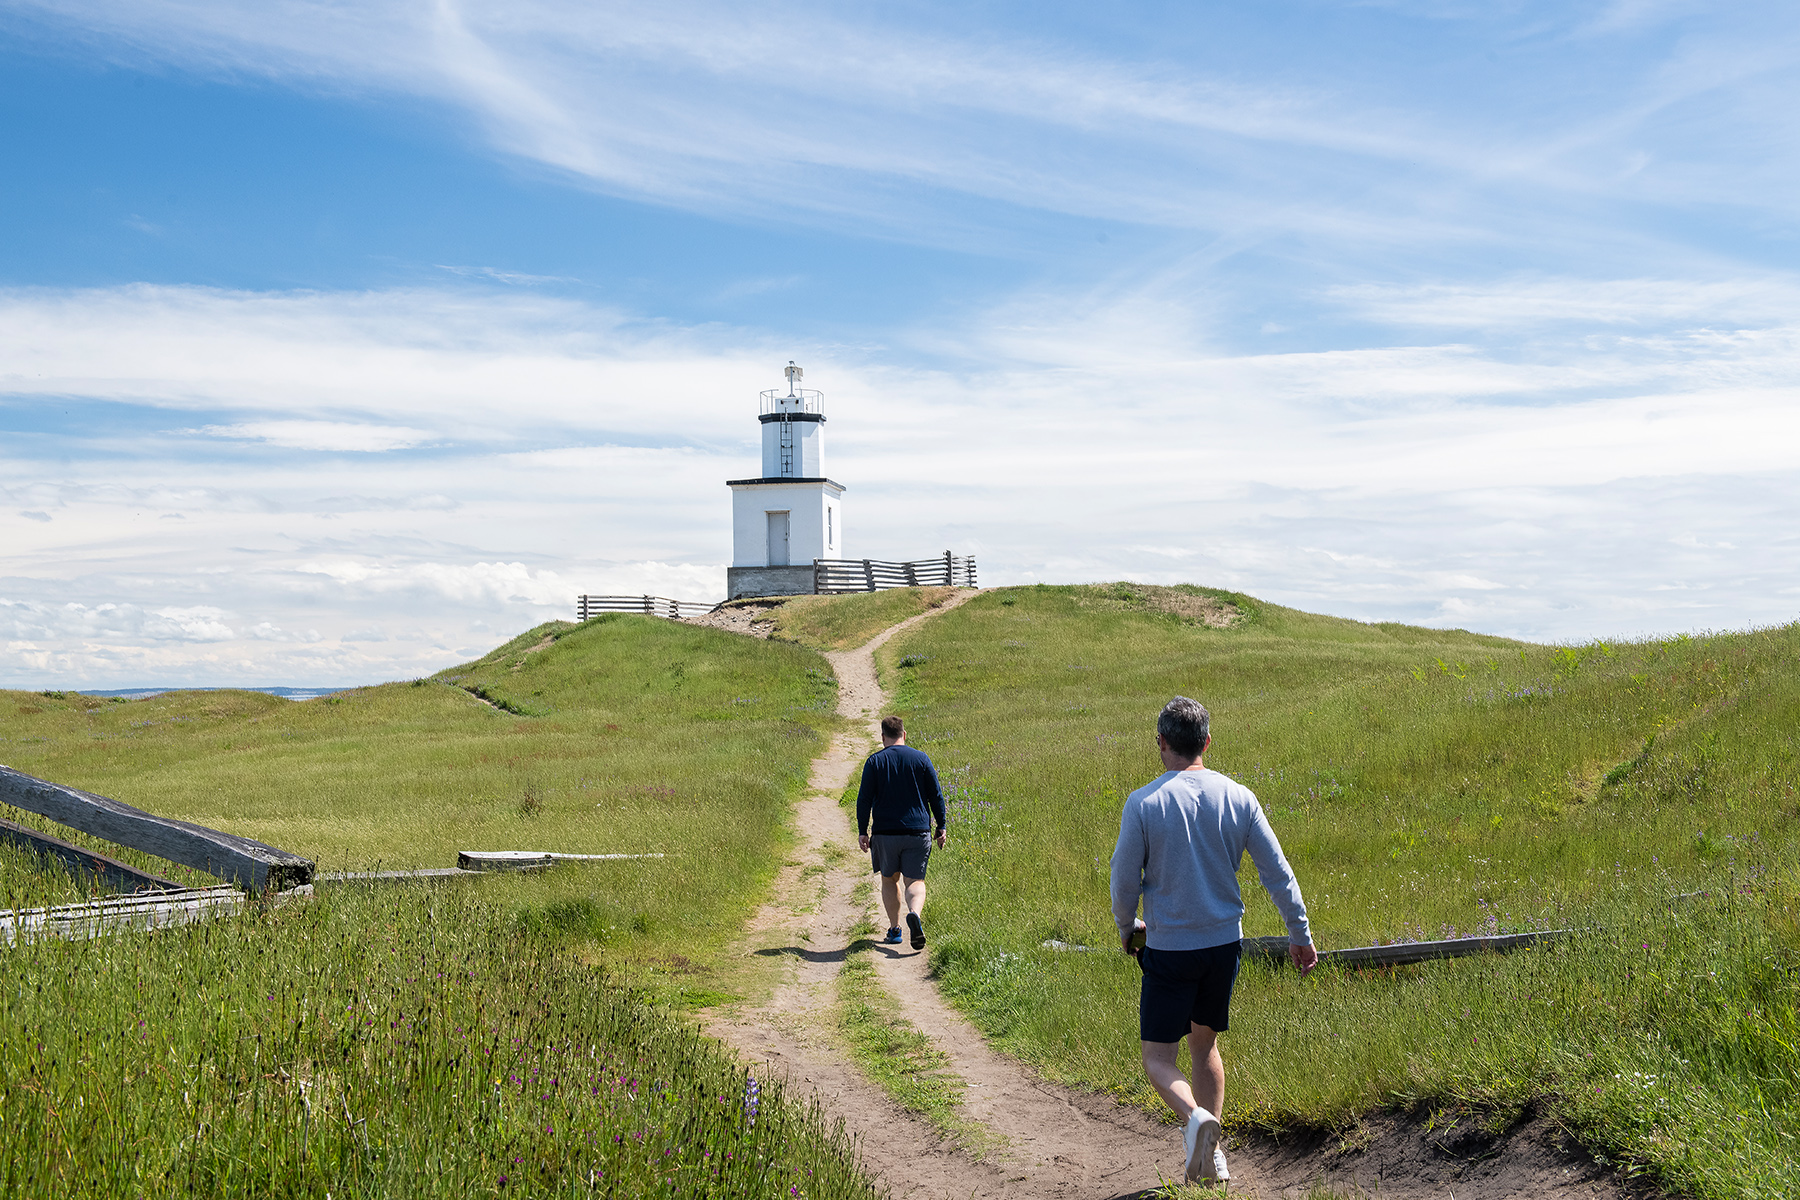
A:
[892, 1052]
[352, 1045]
[844, 622]
[643, 736]
[419, 1041]
[1424, 783]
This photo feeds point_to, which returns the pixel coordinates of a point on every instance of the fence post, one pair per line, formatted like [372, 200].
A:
[869, 575]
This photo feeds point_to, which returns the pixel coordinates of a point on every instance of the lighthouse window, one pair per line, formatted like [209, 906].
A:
[830, 537]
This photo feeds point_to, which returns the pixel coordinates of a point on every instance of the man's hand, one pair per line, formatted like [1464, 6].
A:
[942, 837]
[1137, 927]
[862, 841]
[1305, 957]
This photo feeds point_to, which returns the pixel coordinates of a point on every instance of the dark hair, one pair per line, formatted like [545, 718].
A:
[1183, 724]
[892, 728]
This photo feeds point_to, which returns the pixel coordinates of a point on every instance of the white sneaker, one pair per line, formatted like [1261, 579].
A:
[1201, 1138]
[1221, 1172]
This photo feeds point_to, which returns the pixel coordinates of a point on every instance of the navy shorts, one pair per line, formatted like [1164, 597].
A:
[1183, 987]
[906, 853]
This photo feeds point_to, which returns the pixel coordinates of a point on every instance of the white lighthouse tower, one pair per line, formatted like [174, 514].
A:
[792, 513]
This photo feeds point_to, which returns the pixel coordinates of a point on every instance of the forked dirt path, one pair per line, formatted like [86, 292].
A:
[1049, 1141]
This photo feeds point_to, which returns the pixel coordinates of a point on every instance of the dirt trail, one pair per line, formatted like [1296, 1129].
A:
[1053, 1142]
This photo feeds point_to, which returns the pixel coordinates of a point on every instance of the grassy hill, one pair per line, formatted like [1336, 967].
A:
[1424, 783]
[620, 735]
[470, 1038]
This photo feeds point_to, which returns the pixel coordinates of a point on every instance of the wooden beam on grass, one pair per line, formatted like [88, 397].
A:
[249, 864]
[1400, 954]
[529, 860]
[118, 876]
[126, 914]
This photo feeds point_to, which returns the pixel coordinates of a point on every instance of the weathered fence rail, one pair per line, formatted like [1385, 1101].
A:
[834, 575]
[650, 606]
[108, 871]
[249, 864]
[120, 914]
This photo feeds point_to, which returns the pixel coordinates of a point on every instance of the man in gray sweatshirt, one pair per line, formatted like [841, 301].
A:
[1181, 838]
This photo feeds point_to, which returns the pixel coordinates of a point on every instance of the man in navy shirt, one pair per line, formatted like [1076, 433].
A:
[895, 804]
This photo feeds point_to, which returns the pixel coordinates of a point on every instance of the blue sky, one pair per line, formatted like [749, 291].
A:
[339, 341]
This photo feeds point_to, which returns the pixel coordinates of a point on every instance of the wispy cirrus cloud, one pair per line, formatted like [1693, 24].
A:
[890, 116]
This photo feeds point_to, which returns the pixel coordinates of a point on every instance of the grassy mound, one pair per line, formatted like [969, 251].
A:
[624, 734]
[843, 622]
[1425, 784]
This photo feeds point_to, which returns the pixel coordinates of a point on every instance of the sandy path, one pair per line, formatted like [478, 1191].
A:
[1057, 1143]
[1053, 1142]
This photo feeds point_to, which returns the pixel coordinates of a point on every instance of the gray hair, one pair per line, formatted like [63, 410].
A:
[1183, 724]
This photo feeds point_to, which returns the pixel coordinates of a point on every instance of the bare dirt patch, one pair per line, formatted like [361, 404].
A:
[1432, 1153]
[1188, 603]
[748, 617]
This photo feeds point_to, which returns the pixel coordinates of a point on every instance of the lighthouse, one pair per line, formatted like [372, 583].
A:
[790, 514]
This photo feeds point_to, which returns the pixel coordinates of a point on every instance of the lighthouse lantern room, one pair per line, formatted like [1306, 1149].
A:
[791, 514]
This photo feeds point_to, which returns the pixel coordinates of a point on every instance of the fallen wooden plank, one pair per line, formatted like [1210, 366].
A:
[381, 876]
[109, 871]
[529, 860]
[250, 864]
[121, 914]
[562, 858]
[152, 910]
[502, 860]
[1399, 954]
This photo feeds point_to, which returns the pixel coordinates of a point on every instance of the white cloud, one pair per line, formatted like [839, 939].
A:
[322, 435]
[1548, 486]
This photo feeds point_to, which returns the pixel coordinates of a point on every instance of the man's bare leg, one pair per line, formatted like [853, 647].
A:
[1164, 1070]
[1209, 1069]
[915, 896]
[890, 898]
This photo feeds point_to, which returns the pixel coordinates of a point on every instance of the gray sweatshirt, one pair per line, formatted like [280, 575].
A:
[1181, 838]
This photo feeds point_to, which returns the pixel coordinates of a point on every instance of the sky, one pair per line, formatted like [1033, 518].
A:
[341, 341]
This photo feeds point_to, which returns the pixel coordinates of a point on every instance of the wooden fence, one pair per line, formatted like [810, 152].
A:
[249, 864]
[649, 606]
[831, 575]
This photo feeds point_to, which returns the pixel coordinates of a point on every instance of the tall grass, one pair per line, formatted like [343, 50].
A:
[1424, 784]
[422, 1041]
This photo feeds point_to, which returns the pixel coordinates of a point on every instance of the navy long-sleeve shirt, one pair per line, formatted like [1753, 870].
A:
[899, 793]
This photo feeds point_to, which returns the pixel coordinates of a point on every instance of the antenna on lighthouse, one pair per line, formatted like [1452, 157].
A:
[794, 375]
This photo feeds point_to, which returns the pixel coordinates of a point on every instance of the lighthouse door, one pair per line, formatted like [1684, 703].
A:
[778, 539]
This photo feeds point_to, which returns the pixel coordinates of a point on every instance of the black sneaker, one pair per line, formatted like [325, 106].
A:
[918, 930]
[893, 936]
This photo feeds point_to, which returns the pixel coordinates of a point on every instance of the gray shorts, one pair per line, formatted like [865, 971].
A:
[906, 853]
